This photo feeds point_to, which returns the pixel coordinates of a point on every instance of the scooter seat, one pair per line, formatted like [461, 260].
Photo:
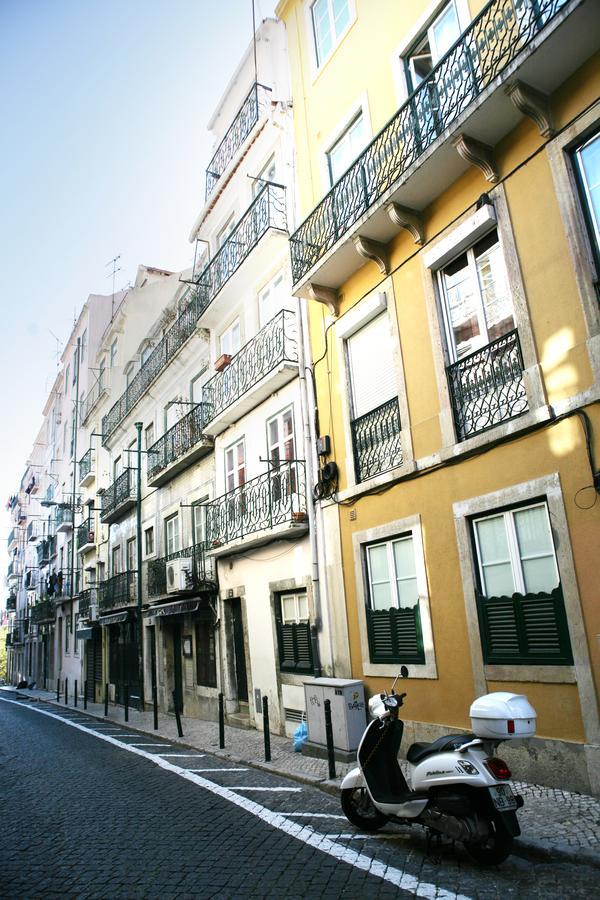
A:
[418, 752]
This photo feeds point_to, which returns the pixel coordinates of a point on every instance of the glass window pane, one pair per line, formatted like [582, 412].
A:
[497, 301]
[589, 159]
[498, 580]
[322, 28]
[288, 608]
[446, 31]
[404, 557]
[540, 574]
[341, 15]
[462, 300]
[533, 531]
[378, 563]
[493, 544]
[302, 608]
[408, 593]
[381, 597]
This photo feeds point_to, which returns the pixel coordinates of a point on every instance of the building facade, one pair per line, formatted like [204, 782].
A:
[448, 245]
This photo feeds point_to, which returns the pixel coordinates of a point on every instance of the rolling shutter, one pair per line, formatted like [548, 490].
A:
[372, 373]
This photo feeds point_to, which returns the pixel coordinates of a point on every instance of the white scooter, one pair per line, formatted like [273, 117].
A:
[458, 787]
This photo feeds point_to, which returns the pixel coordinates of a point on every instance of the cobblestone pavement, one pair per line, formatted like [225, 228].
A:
[96, 809]
[556, 822]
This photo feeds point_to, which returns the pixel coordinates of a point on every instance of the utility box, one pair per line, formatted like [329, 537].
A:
[347, 711]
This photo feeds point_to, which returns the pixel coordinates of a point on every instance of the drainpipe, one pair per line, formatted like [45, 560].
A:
[74, 484]
[311, 469]
[138, 541]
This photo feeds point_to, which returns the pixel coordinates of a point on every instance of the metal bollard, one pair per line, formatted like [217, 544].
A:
[126, 698]
[177, 716]
[57, 690]
[155, 706]
[221, 723]
[105, 699]
[85, 685]
[329, 738]
[266, 732]
[75, 694]
[66, 691]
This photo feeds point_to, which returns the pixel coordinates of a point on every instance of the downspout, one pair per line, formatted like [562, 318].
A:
[138, 541]
[74, 484]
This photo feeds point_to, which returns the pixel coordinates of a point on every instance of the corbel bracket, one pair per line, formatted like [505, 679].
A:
[477, 154]
[406, 218]
[532, 103]
[373, 250]
[328, 296]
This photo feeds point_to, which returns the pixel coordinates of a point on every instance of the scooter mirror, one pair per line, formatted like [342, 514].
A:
[404, 672]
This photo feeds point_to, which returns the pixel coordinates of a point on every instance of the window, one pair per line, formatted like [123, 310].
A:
[477, 303]
[67, 372]
[346, 149]
[149, 540]
[293, 632]
[330, 18]
[431, 46]
[393, 614]
[67, 633]
[375, 413]
[198, 516]
[229, 340]
[149, 435]
[271, 299]
[116, 560]
[131, 555]
[225, 232]
[281, 448]
[587, 159]
[146, 352]
[206, 656]
[235, 466]
[267, 173]
[113, 354]
[117, 467]
[520, 603]
[173, 411]
[196, 387]
[101, 375]
[83, 345]
[128, 375]
[172, 534]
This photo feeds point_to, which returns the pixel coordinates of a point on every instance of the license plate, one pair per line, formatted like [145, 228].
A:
[503, 797]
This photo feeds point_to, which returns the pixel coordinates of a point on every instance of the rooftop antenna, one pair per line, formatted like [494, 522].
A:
[58, 343]
[115, 268]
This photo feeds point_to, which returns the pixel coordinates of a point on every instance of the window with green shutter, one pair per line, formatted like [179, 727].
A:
[293, 632]
[520, 603]
[393, 614]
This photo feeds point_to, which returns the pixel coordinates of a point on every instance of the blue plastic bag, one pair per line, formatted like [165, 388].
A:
[300, 736]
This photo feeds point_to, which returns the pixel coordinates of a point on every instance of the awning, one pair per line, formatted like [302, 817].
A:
[84, 634]
[114, 619]
[172, 609]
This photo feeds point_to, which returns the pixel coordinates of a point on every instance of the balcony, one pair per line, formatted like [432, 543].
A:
[413, 159]
[42, 612]
[180, 446]
[196, 574]
[13, 537]
[11, 603]
[376, 441]
[57, 586]
[118, 498]
[33, 531]
[246, 118]
[96, 393]
[118, 591]
[264, 509]
[487, 387]
[86, 469]
[87, 605]
[262, 366]
[85, 536]
[63, 518]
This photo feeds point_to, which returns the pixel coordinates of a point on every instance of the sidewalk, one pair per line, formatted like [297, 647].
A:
[554, 823]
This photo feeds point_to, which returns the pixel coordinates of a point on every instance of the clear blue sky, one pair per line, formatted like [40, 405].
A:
[103, 145]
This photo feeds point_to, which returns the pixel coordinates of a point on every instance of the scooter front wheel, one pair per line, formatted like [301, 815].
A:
[359, 809]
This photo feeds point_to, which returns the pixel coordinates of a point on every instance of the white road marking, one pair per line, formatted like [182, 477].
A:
[275, 790]
[186, 755]
[402, 880]
[368, 837]
[148, 745]
[212, 770]
[314, 816]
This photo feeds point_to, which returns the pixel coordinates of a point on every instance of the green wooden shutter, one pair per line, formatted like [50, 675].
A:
[525, 628]
[395, 635]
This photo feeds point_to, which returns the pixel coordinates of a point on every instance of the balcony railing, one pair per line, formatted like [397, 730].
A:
[119, 494]
[376, 441]
[202, 570]
[85, 533]
[274, 344]
[44, 611]
[267, 211]
[178, 440]
[245, 120]
[33, 531]
[13, 536]
[63, 517]
[272, 499]
[487, 387]
[87, 598]
[120, 590]
[492, 41]
[57, 586]
[97, 391]
[11, 603]
[85, 465]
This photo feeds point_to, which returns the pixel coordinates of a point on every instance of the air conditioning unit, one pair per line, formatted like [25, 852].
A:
[179, 575]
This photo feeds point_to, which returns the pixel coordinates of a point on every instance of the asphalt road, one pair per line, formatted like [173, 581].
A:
[91, 809]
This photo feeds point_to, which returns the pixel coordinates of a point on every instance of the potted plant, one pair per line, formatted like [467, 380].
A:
[222, 362]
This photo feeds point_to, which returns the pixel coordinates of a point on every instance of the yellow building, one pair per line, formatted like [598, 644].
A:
[448, 172]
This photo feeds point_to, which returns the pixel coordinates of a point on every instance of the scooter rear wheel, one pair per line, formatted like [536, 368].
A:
[495, 850]
[358, 808]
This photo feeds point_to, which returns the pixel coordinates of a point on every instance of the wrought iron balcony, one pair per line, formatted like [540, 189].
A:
[246, 118]
[56, 586]
[264, 504]
[85, 535]
[97, 391]
[486, 387]
[43, 552]
[272, 352]
[11, 571]
[376, 440]
[87, 604]
[43, 611]
[120, 590]
[11, 603]
[118, 497]
[86, 473]
[179, 446]
[201, 572]
[267, 210]
[13, 537]
[501, 31]
[33, 531]
[63, 518]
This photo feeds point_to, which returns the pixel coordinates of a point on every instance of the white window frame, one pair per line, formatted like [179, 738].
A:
[172, 534]
[391, 561]
[129, 370]
[113, 353]
[387, 532]
[343, 137]
[227, 336]
[280, 444]
[145, 354]
[234, 471]
[260, 180]
[319, 64]
[272, 289]
[149, 443]
[149, 526]
[116, 554]
[359, 108]
[131, 542]
[224, 232]
[297, 619]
